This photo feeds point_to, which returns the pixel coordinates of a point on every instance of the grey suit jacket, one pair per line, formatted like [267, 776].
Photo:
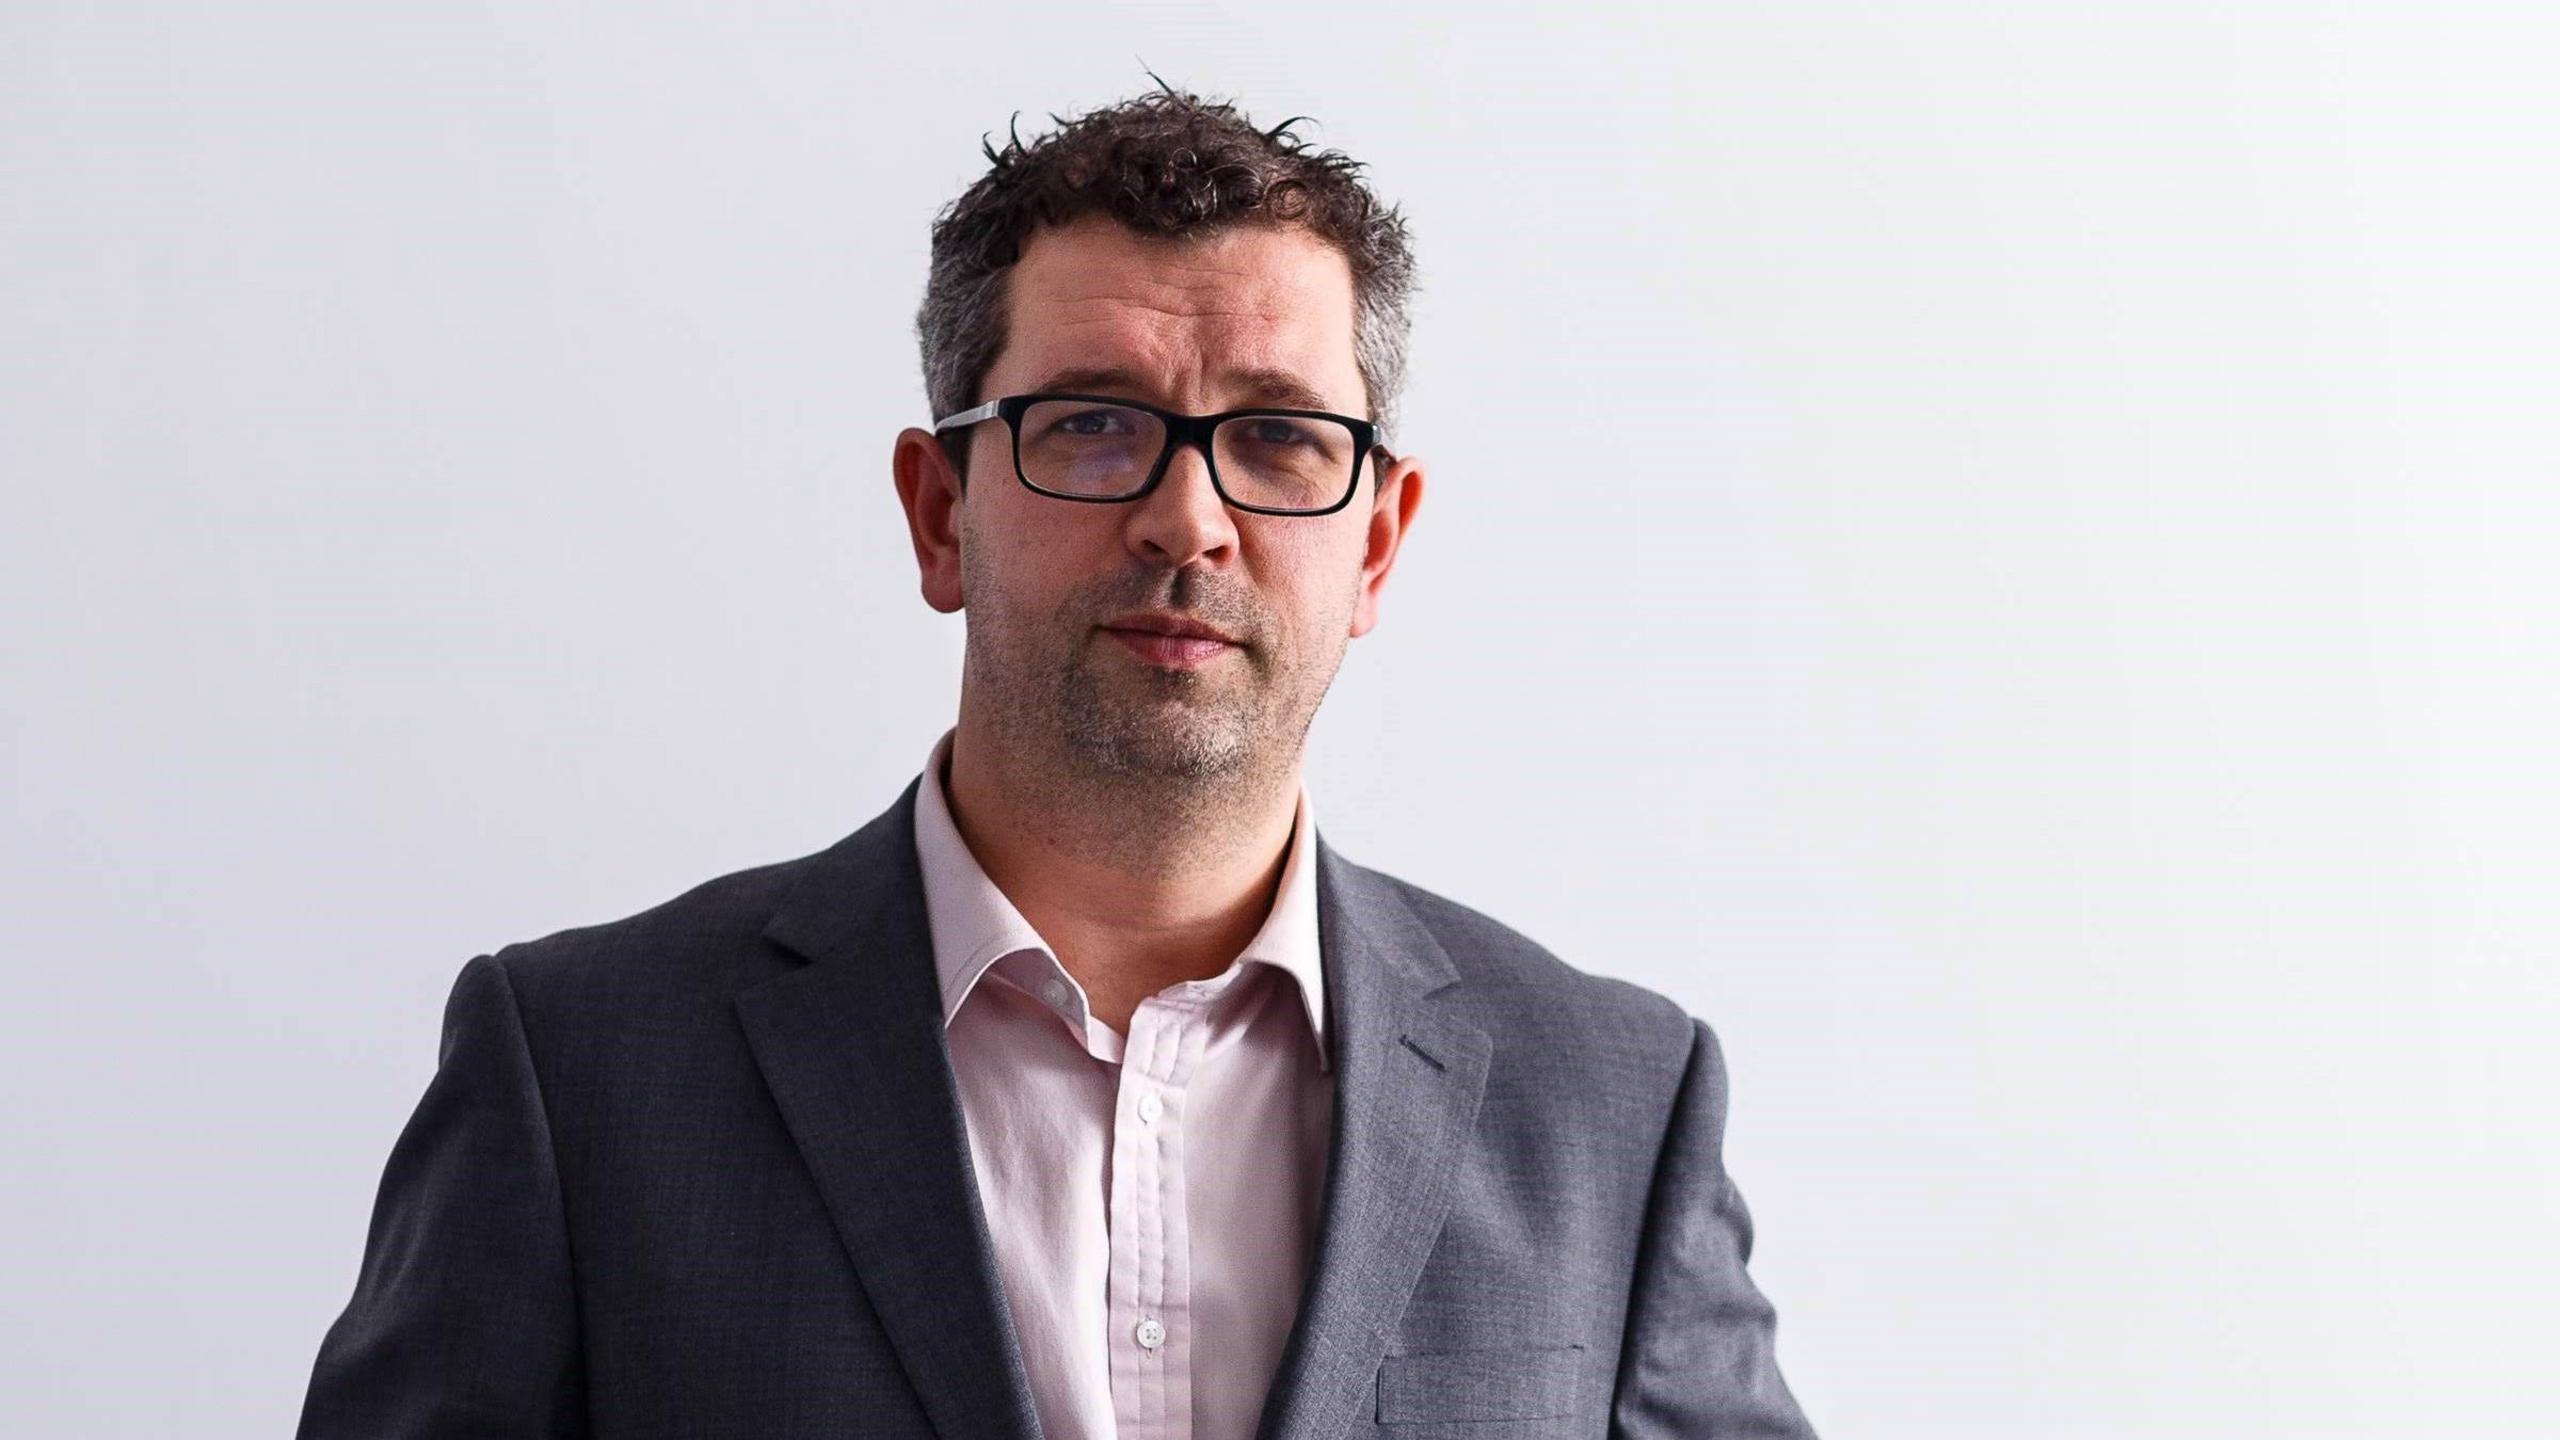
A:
[703, 1172]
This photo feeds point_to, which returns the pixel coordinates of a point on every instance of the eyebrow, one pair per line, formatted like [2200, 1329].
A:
[1260, 385]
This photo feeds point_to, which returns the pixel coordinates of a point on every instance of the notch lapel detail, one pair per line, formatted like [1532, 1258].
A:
[851, 1046]
[1409, 1077]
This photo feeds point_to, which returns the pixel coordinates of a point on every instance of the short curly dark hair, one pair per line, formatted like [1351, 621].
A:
[1162, 163]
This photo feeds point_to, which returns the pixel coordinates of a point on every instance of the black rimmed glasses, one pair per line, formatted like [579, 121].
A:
[1105, 449]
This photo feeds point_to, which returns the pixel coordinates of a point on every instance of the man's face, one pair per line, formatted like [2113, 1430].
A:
[1255, 316]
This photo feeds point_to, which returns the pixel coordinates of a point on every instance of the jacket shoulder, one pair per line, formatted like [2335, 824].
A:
[1517, 976]
[693, 946]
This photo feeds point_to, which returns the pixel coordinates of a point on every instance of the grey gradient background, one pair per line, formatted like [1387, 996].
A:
[2002, 554]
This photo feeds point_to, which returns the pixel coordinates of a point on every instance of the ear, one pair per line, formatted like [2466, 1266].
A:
[1391, 509]
[930, 491]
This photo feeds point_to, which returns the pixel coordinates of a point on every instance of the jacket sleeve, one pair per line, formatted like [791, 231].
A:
[464, 1320]
[1699, 1362]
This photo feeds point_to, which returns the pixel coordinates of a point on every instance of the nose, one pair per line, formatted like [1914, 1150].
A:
[1182, 520]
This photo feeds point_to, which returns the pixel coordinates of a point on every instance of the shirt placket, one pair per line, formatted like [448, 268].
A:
[1150, 1302]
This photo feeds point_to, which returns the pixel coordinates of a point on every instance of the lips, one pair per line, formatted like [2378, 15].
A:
[1169, 640]
[1160, 623]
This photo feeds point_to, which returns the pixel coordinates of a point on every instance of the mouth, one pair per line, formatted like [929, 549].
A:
[1170, 640]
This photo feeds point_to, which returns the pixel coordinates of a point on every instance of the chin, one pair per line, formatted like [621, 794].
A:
[1169, 740]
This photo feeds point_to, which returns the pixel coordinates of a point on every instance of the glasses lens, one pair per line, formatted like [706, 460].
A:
[1285, 462]
[1088, 449]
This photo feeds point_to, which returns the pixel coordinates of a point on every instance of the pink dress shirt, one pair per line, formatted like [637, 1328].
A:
[1153, 1198]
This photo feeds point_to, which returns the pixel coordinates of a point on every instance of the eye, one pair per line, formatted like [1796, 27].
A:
[1276, 430]
[1095, 423]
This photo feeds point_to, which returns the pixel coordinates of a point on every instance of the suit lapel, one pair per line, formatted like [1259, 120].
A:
[1408, 1076]
[852, 1047]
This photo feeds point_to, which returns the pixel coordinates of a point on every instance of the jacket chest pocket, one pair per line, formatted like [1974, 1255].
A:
[1534, 1384]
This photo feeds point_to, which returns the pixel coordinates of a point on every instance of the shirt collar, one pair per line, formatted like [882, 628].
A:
[975, 926]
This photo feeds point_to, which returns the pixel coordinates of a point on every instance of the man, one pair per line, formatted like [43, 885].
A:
[1086, 1091]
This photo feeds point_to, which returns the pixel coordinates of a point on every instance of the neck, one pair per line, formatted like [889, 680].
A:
[1137, 885]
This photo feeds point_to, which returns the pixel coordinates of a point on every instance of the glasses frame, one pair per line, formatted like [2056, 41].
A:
[1179, 430]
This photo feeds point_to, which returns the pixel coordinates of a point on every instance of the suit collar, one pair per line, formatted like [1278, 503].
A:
[1409, 1074]
[851, 1044]
[851, 1047]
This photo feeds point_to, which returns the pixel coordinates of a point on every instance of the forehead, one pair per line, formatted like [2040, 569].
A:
[1196, 321]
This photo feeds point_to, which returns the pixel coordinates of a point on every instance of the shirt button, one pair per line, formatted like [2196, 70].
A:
[1059, 993]
[1150, 1333]
[1150, 1107]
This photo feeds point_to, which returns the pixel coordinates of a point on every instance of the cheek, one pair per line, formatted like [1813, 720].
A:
[1320, 577]
[1029, 561]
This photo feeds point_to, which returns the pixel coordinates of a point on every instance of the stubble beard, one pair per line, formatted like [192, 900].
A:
[1116, 735]
[1153, 724]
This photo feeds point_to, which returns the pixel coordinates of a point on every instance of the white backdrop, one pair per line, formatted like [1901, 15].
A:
[2002, 554]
